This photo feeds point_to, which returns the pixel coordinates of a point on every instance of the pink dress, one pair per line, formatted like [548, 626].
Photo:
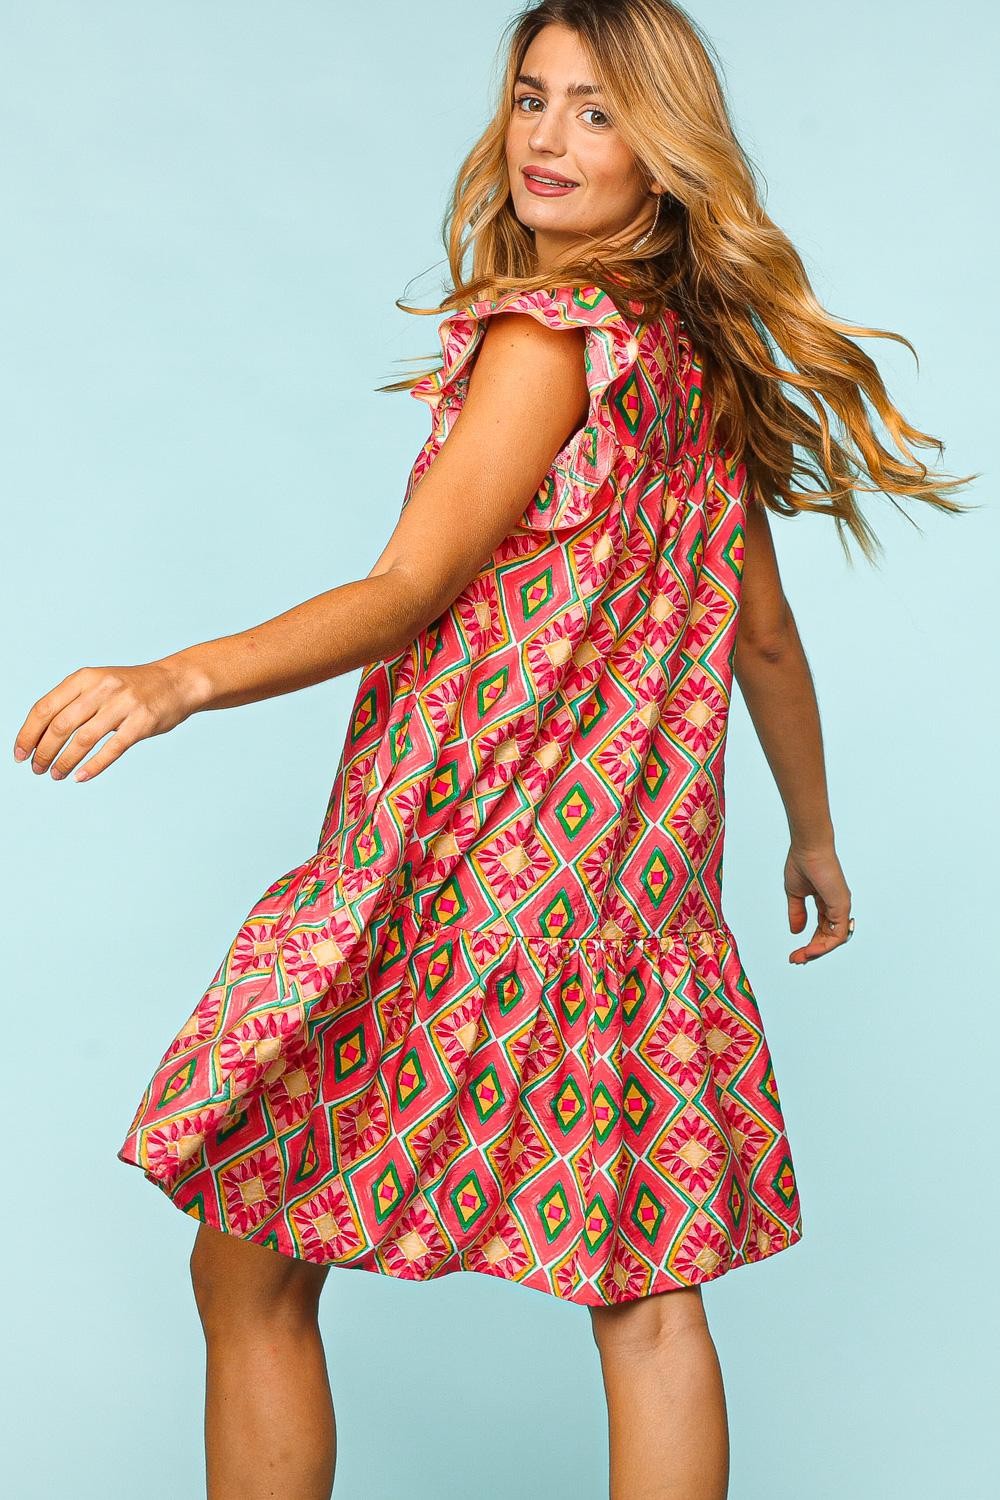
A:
[497, 1022]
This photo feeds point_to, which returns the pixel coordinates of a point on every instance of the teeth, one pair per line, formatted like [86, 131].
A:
[552, 181]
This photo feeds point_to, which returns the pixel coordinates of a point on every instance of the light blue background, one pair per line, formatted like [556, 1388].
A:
[208, 211]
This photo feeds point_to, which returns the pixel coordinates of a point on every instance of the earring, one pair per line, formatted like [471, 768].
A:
[652, 228]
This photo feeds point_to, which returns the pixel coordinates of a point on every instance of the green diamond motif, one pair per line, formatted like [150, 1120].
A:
[399, 738]
[309, 1160]
[633, 992]
[554, 1213]
[557, 916]
[629, 405]
[637, 1103]
[410, 1079]
[597, 1223]
[309, 894]
[491, 691]
[768, 1088]
[487, 1095]
[449, 904]
[572, 997]
[656, 877]
[469, 1201]
[593, 711]
[605, 1002]
[349, 1053]
[364, 715]
[444, 788]
[737, 1200]
[733, 550]
[536, 593]
[545, 495]
[575, 811]
[433, 643]
[784, 1181]
[606, 1113]
[647, 1214]
[587, 300]
[367, 845]
[178, 1083]
[387, 1190]
[439, 967]
[568, 1105]
[693, 410]
[654, 772]
[393, 949]
[509, 991]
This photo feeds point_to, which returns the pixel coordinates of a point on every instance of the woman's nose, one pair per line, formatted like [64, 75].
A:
[547, 136]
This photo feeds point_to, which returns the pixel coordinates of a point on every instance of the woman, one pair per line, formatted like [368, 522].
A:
[498, 1021]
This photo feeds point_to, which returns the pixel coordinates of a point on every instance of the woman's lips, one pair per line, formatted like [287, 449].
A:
[547, 189]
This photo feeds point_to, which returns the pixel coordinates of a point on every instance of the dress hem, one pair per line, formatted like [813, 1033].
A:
[536, 1279]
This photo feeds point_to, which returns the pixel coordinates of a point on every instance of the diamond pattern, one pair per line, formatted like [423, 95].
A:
[497, 1021]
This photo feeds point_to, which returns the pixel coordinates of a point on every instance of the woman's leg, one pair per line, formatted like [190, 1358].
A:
[667, 1428]
[269, 1425]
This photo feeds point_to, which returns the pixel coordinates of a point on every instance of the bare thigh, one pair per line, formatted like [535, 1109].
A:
[234, 1278]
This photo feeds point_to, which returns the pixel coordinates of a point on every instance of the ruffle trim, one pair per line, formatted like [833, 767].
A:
[571, 493]
[623, 1052]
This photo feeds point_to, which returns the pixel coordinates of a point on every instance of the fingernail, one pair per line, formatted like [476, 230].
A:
[19, 754]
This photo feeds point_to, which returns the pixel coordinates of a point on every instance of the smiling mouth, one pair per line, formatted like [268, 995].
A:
[550, 181]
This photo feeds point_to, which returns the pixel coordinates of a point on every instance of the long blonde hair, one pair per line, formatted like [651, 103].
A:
[716, 258]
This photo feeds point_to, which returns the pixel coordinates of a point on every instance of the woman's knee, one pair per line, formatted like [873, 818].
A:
[234, 1279]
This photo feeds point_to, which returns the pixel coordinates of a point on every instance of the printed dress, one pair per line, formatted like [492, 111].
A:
[498, 1022]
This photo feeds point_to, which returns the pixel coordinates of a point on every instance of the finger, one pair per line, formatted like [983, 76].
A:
[831, 932]
[55, 750]
[108, 720]
[128, 733]
[44, 710]
[797, 913]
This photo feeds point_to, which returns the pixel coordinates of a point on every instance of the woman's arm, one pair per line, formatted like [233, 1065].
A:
[773, 675]
[770, 666]
[527, 395]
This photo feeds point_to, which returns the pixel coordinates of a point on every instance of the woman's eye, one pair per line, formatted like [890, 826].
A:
[591, 109]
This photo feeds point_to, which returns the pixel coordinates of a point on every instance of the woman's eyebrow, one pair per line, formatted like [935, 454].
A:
[574, 90]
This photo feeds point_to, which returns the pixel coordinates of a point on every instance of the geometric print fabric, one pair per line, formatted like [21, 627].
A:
[498, 1022]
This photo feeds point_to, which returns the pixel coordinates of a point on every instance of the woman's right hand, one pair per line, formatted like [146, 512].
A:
[126, 703]
[816, 872]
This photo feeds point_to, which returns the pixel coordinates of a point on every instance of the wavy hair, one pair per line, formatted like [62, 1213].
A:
[716, 259]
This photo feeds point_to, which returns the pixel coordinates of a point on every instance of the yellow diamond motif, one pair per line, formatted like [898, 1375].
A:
[412, 1245]
[683, 1047]
[515, 860]
[496, 1250]
[698, 713]
[253, 1191]
[325, 1226]
[694, 1153]
[558, 651]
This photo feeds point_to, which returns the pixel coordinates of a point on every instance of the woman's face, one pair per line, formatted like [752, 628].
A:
[557, 128]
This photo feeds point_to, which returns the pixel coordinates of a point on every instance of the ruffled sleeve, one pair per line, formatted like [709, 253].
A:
[581, 482]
